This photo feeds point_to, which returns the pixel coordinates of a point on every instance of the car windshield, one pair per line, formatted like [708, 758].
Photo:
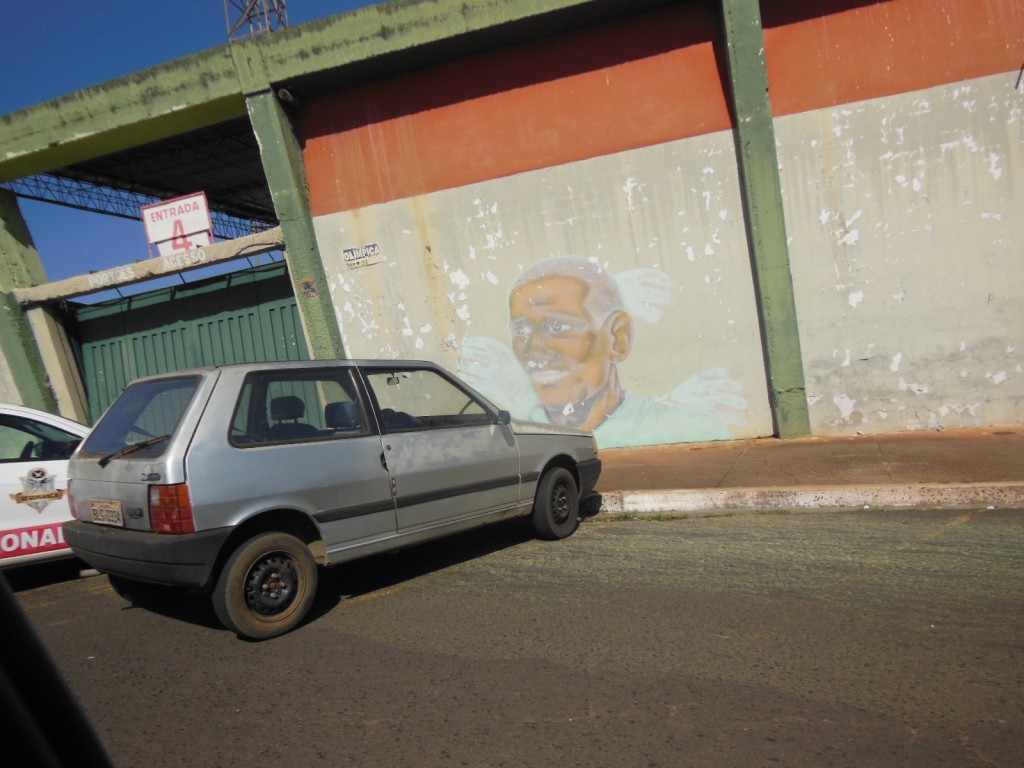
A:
[141, 418]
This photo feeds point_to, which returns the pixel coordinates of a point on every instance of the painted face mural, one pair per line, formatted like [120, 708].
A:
[568, 352]
[571, 327]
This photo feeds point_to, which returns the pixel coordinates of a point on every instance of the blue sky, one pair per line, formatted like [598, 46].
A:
[52, 47]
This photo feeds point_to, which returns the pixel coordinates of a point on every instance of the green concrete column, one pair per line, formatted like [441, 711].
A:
[766, 227]
[286, 177]
[20, 267]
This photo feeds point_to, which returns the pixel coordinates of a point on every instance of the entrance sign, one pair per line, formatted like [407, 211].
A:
[181, 224]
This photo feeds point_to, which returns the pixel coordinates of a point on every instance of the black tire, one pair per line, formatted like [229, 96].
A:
[556, 508]
[267, 586]
[141, 593]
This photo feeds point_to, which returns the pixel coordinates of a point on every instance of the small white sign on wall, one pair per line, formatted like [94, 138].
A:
[363, 256]
[181, 224]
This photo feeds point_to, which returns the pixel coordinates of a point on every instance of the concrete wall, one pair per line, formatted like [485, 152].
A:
[906, 236]
[454, 181]
[663, 222]
[432, 193]
[901, 156]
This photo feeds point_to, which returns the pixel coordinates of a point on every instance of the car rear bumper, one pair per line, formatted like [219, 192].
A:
[184, 560]
[590, 471]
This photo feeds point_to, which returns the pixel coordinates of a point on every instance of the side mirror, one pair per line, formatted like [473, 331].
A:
[504, 417]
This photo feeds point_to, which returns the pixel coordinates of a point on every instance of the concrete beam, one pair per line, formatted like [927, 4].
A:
[115, 277]
[286, 175]
[380, 31]
[153, 104]
[209, 87]
[20, 266]
[58, 357]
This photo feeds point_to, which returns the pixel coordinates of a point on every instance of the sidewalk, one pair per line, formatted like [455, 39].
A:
[958, 468]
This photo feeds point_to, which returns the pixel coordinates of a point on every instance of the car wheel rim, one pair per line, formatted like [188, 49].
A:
[271, 585]
[560, 504]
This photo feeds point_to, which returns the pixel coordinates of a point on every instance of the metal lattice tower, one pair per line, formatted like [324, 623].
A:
[254, 17]
[123, 203]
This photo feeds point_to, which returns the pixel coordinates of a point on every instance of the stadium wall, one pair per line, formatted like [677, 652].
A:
[898, 137]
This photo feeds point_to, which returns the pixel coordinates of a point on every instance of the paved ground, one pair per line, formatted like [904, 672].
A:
[967, 467]
[854, 639]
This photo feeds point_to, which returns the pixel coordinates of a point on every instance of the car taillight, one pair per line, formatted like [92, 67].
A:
[71, 501]
[170, 509]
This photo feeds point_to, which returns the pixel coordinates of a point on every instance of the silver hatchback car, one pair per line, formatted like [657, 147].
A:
[242, 479]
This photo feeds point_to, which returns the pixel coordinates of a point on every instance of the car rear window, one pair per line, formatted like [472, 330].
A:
[145, 415]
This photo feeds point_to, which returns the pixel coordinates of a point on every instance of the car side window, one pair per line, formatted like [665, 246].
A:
[285, 406]
[412, 399]
[23, 439]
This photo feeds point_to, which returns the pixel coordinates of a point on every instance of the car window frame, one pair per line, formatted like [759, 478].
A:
[259, 381]
[21, 422]
[492, 415]
[156, 447]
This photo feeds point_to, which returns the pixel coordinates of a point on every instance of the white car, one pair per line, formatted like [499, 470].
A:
[34, 451]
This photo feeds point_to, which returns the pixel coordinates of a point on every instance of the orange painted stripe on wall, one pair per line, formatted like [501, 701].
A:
[861, 51]
[633, 84]
[609, 89]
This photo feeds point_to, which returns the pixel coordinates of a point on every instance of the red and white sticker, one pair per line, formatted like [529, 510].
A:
[29, 541]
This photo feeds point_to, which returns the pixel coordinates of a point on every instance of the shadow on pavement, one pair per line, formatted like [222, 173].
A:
[380, 572]
[363, 576]
[21, 578]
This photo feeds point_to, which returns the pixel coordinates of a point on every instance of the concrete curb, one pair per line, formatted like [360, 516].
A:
[724, 500]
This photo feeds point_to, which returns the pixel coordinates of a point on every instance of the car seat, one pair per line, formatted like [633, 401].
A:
[286, 412]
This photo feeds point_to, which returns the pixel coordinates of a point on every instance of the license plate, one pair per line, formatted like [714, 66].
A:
[107, 512]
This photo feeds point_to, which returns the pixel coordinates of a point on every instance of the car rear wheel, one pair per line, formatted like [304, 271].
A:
[556, 509]
[141, 593]
[267, 586]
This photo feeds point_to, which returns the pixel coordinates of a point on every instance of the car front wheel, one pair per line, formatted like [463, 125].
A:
[267, 586]
[556, 508]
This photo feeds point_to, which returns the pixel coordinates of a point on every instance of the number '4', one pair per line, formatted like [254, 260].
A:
[180, 241]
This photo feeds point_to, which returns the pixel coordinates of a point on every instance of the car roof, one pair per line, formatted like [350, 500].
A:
[296, 364]
[44, 416]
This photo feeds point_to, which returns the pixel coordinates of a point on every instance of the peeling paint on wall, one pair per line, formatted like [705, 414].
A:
[901, 215]
[905, 239]
[658, 221]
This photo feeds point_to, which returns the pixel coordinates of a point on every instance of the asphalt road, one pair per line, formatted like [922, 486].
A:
[850, 639]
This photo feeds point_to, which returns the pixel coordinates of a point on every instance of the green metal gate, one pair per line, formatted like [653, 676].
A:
[246, 316]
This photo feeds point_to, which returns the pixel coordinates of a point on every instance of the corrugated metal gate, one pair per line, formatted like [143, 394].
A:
[246, 316]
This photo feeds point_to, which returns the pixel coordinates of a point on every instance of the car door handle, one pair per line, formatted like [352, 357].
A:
[383, 461]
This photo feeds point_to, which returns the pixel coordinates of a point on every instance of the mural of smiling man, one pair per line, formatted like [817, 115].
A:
[570, 330]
